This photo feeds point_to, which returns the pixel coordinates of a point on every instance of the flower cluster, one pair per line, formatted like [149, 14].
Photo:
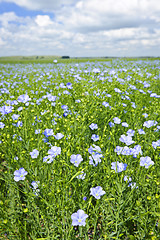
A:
[96, 155]
[146, 162]
[118, 167]
[52, 153]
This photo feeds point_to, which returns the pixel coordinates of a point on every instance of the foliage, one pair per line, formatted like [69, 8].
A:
[80, 139]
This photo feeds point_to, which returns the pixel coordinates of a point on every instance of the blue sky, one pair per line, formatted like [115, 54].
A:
[80, 28]
[20, 11]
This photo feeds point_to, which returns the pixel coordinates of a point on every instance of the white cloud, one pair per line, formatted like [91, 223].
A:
[2, 43]
[8, 17]
[95, 15]
[43, 20]
[43, 5]
[38, 35]
[83, 28]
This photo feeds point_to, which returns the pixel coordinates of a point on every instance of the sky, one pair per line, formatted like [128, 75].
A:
[80, 28]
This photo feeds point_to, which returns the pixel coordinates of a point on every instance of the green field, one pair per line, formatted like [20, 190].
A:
[80, 148]
[50, 59]
[46, 59]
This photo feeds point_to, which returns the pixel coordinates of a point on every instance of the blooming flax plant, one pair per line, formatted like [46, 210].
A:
[146, 162]
[97, 192]
[76, 159]
[20, 174]
[79, 218]
[80, 129]
[118, 167]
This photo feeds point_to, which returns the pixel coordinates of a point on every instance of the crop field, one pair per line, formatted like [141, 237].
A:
[80, 150]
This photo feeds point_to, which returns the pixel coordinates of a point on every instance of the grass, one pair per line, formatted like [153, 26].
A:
[46, 59]
[128, 209]
[49, 59]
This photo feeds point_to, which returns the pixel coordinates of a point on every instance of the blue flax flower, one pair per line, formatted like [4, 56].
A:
[19, 124]
[2, 125]
[118, 167]
[97, 192]
[34, 153]
[124, 124]
[132, 185]
[93, 126]
[150, 123]
[156, 144]
[126, 139]
[111, 124]
[146, 162]
[79, 218]
[20, 174]
[78, 101]
[106, 104]
[69, 85]
[23, 98]
[54, 151]
[118, 150]
[64, 107]
[51, 98]
[136, 150]
[19, 109]
[48, 132]
[37, 131]
[130, 133]
[141, 131]
[76, 159]
[117, 120]
[15, 116]
[96, 70]
[96, 155]
[157, 129]
[126, 151]
[95, 137]
[95, 159]
[145, 115]
[94, 150]
[6, 109]
[128, 179]
[58, 136]
[35, 187]
[117, 90]
[66, 92]
[81, 176]
[35, 184]
[48, 159]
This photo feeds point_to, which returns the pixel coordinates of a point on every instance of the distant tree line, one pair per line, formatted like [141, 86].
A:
[65, 57]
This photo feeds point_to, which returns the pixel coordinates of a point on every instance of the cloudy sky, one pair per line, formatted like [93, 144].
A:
[80, 28]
